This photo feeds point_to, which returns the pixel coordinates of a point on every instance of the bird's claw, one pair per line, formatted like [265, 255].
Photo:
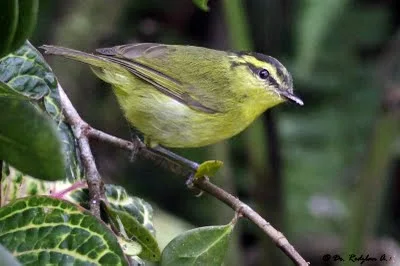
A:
[190, 183]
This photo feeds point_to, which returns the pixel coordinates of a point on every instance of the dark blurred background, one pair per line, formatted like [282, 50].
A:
[327, 175]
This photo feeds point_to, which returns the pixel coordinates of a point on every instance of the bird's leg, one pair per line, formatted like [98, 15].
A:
[158, 150]
[189, 184]
[137, 144]
[176, 158]
[193, 166]
[172, 159]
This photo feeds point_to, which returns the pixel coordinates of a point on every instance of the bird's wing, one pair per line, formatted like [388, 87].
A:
[183, 74]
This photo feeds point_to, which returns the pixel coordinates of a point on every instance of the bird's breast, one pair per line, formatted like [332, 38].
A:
[170, 123]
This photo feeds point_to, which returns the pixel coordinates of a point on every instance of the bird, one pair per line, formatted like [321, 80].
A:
[182, 96]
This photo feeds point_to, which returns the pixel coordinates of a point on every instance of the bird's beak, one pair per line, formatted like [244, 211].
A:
[291, 97]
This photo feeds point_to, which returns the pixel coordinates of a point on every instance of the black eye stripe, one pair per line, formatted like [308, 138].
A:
[269, 78]
[273, 82]
[265, 75]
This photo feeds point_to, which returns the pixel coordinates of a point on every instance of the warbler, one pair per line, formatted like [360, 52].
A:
[185, 96]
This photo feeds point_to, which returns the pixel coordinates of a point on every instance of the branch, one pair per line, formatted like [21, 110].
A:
[79, 128]
[205, 185]
[277, 237]
[82, 132]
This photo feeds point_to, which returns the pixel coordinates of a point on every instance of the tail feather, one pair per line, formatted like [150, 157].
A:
[91, 59]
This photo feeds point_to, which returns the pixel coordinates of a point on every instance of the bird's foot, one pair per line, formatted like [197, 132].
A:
[190, 184]
[137, 146]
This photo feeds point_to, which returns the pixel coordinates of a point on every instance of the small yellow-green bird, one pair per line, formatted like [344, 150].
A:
[185, 96]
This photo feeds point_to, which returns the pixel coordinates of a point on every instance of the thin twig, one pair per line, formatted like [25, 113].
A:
[79, 128]
[137, 147]
[205, 185]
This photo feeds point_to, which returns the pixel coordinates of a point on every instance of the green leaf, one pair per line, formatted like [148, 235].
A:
[25, 71]
[202, 4]
[136, 226]
[6, 258]
[17, 22]
[8, 24]
[200, 246]
[29, 140]
[131, 230]
[15, 185]
[208, 168]
[28, 10]
[131, 217]
[130, 248]
[120, 200]
[8, 92]
[43, 230]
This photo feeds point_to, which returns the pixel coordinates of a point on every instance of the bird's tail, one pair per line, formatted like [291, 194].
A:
[91, 59]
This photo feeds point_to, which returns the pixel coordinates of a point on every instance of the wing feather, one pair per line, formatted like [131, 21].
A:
[161, 66]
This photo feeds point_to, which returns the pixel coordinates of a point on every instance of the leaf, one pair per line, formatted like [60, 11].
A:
[27, 14]
[131, 217]
[7, 91]
[120, 200]
[130, 248]
[25, 71]
[17, 22]
[42, 230]
[29, 140]
[7, 259]
[8, 24]
[208, 168]
[200, 246]
[132, 230]
[202, 4]
[14, 185]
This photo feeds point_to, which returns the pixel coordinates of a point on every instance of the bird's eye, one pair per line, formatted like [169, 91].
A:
[263, 74]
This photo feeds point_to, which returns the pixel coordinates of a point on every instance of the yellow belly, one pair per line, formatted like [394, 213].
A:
[170, 123]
